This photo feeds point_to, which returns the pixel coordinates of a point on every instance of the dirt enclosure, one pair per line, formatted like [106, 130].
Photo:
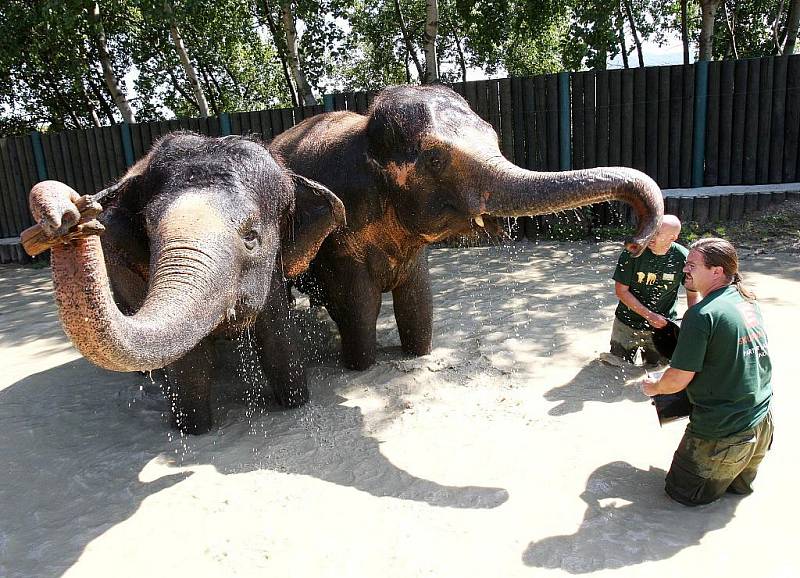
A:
[511, 450]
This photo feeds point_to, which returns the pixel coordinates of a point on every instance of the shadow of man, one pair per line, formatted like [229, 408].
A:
[596, 381]
[629, 520]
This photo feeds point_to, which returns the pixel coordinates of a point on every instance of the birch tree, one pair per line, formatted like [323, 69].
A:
[429, 41]
[186, 63]
[304, 91]
[109, 76]
[708, 13]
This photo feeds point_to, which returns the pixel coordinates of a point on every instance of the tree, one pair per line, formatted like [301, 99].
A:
[106, 63]
[708, 13]
[429, 41]
[183, 55]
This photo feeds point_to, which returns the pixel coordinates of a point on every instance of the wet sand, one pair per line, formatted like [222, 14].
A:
[511, 450]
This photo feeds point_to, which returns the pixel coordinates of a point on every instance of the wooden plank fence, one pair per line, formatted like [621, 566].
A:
[644, 118]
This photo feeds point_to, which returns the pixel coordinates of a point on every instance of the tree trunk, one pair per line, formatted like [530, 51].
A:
[188, 68]
[634, 32]
[280, 46]
[708, 9]
[461, 61]
[685, 29]
[729, 25]
[407, 40]
[792, 25]
[429, 41]
[623, 46]
[293, 56]
[108, 70]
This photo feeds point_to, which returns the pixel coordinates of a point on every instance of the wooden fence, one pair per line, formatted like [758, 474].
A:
[718, 123]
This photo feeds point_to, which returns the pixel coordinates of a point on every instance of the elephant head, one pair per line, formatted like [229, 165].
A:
[203, 224]
[444, 170]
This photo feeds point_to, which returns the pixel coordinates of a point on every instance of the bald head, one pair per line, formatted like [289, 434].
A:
[666, 235]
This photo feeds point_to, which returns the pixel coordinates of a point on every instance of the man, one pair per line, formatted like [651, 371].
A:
[722, 361]
[647, 288]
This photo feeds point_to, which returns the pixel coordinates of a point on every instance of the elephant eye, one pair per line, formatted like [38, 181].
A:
[436, 159]
[250, 239]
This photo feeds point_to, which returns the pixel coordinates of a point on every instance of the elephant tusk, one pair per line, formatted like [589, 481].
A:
[479, 220]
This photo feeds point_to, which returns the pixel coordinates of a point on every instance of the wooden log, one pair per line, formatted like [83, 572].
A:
[651, 124]
[663, 126]
[614, 117]
[750, 144]
[764, 120]
[740, 85]
[540, 88]
[764, 200]
[626, 119]
[750, 203]
[675, 125]
[482, 100]
[687, 126]
[518, 120]
[778, 119]
[553, 132]
[603, 127]
[578, 124]
[702, 210]
[725, 208]
[713, 208]
[589, 116]
[506, 119]
[726, 98]
[778, 197]
[534, 139]
[672, 205]
[686, 209]
[737, 207]
[639, 157]
[711, 174]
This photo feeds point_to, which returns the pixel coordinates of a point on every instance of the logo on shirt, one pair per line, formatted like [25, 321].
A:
[648, 279]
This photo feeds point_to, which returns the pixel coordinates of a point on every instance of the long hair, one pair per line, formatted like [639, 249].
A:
[718, 252]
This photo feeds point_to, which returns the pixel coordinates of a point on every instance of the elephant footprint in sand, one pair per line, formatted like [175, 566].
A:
[420, 167]
[197, 243]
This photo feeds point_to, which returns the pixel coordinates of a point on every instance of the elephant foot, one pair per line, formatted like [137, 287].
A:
[358, 364]
[292, 396]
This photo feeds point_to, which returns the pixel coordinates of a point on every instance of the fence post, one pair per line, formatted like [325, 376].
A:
[700, 111]
[327, 102]
[127, 144]
[564, 122]
[38, 155]
[224, 124]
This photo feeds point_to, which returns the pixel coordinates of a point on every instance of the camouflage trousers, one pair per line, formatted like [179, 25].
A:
[703, 470]
[626, 340]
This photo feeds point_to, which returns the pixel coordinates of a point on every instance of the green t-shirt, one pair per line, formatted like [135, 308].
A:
[654, 280]
[722, 339]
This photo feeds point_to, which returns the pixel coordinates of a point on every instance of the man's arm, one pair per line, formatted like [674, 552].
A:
[673, 381]
[692, 297]
[624, 294]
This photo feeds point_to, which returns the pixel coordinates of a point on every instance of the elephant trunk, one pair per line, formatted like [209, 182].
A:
[185, 301]
[512, 192]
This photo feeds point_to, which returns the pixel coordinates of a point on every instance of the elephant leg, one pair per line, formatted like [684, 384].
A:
[413, 309]
[189, 389]
[355, 307]
[278, 350]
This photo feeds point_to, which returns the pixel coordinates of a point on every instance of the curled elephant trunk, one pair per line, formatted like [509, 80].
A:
[185, 301]
[513, 192]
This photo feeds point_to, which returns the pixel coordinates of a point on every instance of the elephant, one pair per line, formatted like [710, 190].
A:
[196, 244]
[419, 167]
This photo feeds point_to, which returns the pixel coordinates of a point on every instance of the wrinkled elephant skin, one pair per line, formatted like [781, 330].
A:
[420, 167]
[196, 243]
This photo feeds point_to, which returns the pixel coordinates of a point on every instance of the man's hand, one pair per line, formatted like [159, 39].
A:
[648, 386]
[656, 320]
[673, 381]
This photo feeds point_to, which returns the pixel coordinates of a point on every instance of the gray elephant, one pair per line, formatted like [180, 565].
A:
[197, 243]
[420, 167]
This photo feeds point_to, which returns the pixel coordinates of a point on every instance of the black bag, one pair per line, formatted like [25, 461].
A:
[670, 406]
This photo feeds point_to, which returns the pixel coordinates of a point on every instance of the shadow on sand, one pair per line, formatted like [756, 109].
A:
[629, 520]
[74, 440]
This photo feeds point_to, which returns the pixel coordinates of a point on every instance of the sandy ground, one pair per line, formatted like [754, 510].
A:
[511, 450]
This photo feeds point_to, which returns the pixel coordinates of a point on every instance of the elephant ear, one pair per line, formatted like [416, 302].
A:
[317, 212]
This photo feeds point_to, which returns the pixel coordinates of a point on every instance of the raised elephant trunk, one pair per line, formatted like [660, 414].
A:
[184, 303]
[513, 192]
